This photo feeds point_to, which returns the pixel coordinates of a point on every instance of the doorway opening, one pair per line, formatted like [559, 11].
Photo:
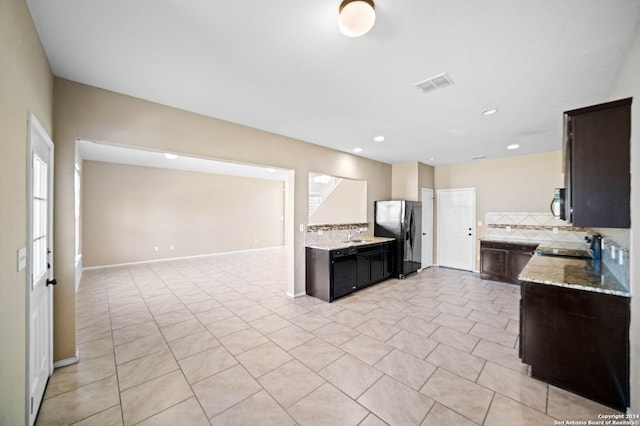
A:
[200, 206]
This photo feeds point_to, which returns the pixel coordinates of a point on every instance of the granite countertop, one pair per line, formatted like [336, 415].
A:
[336, 245]
[580, 274]
[550, 248]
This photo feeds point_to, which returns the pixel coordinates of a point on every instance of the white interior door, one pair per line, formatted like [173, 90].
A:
[427, 227]
[40, 175]
[456, 228]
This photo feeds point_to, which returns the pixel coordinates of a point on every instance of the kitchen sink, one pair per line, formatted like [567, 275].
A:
[356, 240]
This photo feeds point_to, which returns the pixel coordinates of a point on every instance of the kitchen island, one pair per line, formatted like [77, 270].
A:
[574, 327]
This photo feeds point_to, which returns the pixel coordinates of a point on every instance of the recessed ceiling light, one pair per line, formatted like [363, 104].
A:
[170, 156]
[271, 170]
[513, 146]
[489, 111]
[379, 138]
[357, 149]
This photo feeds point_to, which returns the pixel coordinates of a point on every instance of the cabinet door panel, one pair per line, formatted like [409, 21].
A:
[517, 260]
[539, 327]
[600, 159]
[377, 266]
[493, 263]
[364, 269]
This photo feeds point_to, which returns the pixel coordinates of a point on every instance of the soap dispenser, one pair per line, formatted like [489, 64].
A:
[596, 247]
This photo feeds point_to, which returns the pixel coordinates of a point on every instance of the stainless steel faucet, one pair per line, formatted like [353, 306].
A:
[351, 234]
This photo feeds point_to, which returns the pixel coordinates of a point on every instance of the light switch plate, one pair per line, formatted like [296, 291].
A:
[22, 258]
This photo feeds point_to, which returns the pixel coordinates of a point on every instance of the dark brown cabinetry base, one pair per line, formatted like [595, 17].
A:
[503, 261]
[331, 274]
[577, 340]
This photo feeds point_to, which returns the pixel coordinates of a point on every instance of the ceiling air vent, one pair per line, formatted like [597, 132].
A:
[434, 83]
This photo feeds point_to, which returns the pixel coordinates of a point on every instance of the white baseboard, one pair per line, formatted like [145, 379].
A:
[68, 361]
[293, 296]
[196, 256]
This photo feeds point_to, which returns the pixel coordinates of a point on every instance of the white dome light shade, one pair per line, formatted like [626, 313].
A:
[356, 17]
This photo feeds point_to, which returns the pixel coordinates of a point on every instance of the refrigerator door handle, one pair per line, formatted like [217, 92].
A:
[412, 228]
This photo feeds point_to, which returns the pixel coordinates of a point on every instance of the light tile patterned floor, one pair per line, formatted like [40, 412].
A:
[214, 340]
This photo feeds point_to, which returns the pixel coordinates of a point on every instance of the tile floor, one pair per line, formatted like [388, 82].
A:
[214, 340]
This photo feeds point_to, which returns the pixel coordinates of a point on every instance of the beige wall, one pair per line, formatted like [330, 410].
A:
[514, 184]
[409, 179]
[87, 112]
[628, 84]
[26, 85]
[426, 176]
[347, 203]
[405, 181]
[129, 210]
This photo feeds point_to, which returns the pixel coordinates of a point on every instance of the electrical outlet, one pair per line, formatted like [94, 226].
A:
[320, 232]
[156, 248]
[508, 229]
[554, 230]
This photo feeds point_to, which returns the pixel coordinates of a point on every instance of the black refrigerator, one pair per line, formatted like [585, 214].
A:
[402, 220]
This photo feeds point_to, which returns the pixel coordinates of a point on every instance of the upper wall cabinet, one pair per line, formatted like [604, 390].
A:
[597, 165]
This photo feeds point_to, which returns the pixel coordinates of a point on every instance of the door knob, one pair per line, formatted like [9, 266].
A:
[52, 282]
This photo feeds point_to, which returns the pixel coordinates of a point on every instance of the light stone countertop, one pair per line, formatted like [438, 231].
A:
[580, 274]
[550, 248]
[336, 245]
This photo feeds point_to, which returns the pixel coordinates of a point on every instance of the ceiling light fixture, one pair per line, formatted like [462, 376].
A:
[489, 111]
[379, 138]
[170, 156]
[356, 17]
[514, 146]
[357, 149]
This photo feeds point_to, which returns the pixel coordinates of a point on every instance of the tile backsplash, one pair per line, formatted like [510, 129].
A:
[529, 226]
[544, 227]
[328, 233]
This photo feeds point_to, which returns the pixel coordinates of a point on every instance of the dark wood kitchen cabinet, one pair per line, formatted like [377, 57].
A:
[597, 165]
[331, 274]
[503, 261]
[577, 340]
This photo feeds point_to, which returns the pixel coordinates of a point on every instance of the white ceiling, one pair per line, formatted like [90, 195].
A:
[283, 66]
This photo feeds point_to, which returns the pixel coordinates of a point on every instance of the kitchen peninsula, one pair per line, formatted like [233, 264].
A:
[574, 327]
